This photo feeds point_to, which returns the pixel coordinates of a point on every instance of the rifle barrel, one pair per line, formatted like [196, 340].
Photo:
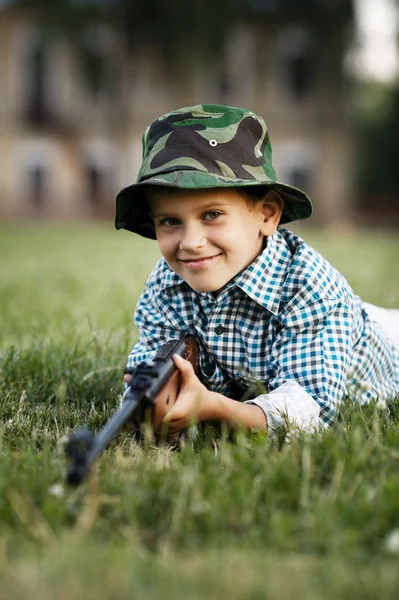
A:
[84, 447]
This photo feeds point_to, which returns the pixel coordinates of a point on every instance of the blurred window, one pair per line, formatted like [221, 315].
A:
[99, 165]
[34, 163]
[36, 186]
[98, 46]
[95, 184]
[295, 163]
[299, 177]
[225, 85]
[298, 59]
[232, 74]
[36, 82]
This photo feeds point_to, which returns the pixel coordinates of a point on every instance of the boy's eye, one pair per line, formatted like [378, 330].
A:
[210, 216]
[169, 222]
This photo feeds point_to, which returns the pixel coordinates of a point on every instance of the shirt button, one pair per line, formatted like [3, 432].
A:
[220, 329]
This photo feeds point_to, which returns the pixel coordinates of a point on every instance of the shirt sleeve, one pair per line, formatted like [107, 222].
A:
[310, 358]
[154, 329]
[288, 405]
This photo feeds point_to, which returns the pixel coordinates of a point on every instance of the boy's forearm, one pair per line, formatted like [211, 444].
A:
[221, 409]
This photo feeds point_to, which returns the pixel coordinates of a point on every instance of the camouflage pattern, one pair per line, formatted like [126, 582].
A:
[205, 146]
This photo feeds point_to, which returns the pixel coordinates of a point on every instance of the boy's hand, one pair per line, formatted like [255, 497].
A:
[195, 404]
[191, 403]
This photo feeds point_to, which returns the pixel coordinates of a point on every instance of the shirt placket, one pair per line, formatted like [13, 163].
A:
[202, 317]
[217, 328]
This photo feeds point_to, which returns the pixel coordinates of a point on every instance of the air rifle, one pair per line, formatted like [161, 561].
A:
[152, 391]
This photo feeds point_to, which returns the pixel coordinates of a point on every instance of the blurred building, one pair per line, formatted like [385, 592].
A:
[68, 144]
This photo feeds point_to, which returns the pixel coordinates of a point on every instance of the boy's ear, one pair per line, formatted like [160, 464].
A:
[272, 208]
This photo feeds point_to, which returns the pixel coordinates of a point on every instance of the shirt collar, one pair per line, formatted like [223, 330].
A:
[262, 281]
[168, 277]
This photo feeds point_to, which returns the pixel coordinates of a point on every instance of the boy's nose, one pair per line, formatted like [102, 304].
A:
[192, 239]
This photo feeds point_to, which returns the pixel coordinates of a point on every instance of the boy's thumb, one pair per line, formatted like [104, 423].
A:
[184, 366]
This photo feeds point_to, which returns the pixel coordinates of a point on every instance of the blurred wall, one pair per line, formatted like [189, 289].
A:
[66, 148]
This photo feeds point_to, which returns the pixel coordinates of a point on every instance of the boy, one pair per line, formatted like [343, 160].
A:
[262, 304]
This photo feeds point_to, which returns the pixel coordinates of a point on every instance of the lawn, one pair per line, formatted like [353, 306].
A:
[318, 517]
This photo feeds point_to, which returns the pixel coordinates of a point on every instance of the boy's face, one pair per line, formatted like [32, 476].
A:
[209, 236]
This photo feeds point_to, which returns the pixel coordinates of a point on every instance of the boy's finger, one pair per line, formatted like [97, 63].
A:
[166, 418]
[171, 416]
[182, 364]
[179, 360]
[175, 428]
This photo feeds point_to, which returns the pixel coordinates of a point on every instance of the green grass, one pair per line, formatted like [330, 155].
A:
[245, 520]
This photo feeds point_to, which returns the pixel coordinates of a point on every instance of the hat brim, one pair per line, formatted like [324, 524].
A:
[132, 212]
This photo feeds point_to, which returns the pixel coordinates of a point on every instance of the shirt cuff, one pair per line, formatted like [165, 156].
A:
[289, 404]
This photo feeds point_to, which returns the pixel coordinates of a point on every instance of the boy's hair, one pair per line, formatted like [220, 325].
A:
[252, 195]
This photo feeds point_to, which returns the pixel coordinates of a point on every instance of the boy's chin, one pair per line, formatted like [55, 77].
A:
[206, 289]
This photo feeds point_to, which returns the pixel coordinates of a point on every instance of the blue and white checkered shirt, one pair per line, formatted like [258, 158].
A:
[289, 322]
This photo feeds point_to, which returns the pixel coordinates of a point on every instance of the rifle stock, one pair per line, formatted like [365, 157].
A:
[152, 391]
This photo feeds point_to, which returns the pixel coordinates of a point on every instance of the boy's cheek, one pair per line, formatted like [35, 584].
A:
[165, 248]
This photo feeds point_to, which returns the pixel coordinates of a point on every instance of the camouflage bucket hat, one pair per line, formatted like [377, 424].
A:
[201, 147]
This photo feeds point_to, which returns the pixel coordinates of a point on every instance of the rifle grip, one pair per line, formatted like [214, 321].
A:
[192, 353]
[168, 394]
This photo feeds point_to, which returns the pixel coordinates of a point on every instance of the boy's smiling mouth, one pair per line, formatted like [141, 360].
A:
[196, 263]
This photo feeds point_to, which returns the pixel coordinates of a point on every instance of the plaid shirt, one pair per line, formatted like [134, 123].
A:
[289, 326]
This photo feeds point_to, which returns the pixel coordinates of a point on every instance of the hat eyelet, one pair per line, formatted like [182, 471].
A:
[213, 143]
